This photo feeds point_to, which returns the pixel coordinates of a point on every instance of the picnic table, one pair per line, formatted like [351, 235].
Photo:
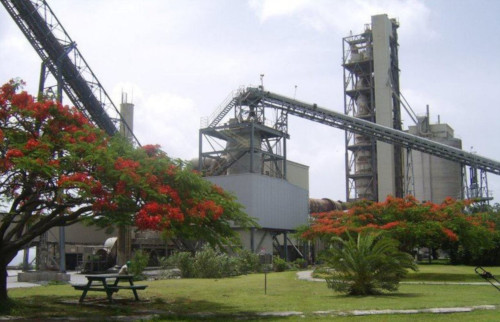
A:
[108, 283]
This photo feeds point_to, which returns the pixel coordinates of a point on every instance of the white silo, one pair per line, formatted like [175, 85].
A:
[435, 178]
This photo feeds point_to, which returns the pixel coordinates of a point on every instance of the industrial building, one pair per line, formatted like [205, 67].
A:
[371, 92]
[434, 179]
[246, 155]
[243, 145]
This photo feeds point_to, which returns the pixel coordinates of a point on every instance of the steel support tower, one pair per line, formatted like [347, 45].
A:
[371, 92]
[253, 140]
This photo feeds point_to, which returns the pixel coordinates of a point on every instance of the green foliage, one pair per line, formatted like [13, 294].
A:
[279, 264]
[300, 263]
[138, 263]
[210, 263]
[181, 260]
[59, 169]
[248, 262]
[466, 231]
[367, 265]
[478, 245]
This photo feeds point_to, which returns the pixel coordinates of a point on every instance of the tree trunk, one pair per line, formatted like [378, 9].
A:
[4, 261]
[3, 281]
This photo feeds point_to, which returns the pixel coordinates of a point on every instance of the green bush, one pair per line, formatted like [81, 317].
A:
[366, 265]
[183, 261]
[210, 263]
[300, 263]
[248, 262]
[138, 264]
[279, 264]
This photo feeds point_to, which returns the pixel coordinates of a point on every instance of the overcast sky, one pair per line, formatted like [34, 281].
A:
[179, 59]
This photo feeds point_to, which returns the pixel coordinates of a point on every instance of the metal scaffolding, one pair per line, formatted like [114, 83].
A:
[313, 112]
[361, 54]
[62, 58]
[252, 141]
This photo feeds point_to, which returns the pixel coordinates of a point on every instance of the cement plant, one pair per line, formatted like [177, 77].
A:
[243, 146]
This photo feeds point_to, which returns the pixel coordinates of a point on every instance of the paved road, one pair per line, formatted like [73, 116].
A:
[12, 282]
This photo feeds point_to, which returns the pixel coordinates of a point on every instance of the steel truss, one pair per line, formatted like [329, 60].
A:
[341, 121]
[62, 58]
[359, 102]
[264, 151]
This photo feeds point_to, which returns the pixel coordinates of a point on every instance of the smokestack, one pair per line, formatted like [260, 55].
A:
[127, 121]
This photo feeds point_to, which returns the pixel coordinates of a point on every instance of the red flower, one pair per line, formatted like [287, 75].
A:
[123, 164]
[14, 153]
[450, 234]
[390, 225]
[31, 144]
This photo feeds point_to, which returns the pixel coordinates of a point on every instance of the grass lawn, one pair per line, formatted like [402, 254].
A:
[449, 273]
[244, 295]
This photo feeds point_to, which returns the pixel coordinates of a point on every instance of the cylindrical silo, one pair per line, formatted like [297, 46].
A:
[436, 178]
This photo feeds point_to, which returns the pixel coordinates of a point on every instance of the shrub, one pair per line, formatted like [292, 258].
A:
[279, 264]
[210, 263]
[248, 262]
[138, 264]
[366, 265]
[183, 261]
[300, 263]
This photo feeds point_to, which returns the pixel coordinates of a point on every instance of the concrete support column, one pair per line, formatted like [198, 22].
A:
[285, 245]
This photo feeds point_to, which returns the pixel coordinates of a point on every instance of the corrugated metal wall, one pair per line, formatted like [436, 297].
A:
[276, 203]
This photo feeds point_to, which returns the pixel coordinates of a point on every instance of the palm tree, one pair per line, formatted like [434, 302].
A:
[367, 265]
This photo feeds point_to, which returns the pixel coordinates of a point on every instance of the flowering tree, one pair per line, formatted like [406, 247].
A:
[412, 223]
[58, 169]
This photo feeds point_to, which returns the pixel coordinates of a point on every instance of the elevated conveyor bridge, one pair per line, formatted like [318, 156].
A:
[257, 97]
[63, 59]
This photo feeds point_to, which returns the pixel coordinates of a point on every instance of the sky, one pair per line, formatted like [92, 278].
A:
[179, 59]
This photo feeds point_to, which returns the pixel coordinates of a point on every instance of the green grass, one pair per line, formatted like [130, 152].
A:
[449, 273]
[245, 296]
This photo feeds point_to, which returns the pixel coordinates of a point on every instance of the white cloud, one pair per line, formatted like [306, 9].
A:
[181, 58]
[169, 120]
[270, 8]
[343, 16]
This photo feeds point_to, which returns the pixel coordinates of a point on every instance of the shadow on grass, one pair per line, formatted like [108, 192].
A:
[442, 277]
[381, 295]
[43, 307]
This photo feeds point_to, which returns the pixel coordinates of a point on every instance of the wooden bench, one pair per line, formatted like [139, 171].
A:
[83, 287]
[128, 287]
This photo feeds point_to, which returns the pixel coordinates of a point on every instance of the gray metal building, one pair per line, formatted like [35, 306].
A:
[278, 205]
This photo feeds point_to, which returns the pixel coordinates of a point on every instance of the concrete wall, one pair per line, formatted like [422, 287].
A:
[298, 174]
[382, 31]
[262, 240]
[436, 178]
[81, 234]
